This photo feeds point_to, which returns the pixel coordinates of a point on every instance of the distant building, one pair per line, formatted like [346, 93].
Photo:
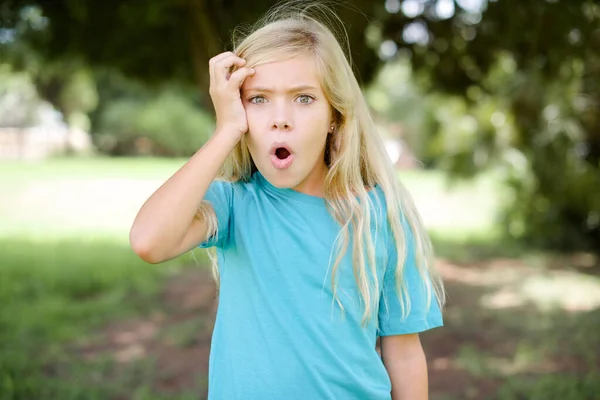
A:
[49, 137]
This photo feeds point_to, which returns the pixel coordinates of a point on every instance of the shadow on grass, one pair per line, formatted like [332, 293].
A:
[518, 325]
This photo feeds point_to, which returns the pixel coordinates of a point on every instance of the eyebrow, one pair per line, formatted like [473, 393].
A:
[269, 90]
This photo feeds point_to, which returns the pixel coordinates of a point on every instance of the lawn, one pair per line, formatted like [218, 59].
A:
[83, 318]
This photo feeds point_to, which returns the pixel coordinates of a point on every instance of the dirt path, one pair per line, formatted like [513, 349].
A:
[177, 337]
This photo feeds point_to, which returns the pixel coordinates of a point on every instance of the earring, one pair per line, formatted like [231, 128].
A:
[331, 129]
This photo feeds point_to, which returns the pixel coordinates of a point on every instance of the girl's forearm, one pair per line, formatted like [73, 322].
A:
[409, 380]
[405, 362]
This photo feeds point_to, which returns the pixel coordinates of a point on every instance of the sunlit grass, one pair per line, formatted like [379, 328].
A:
[77, 197]
[461, 210]
[101, 196]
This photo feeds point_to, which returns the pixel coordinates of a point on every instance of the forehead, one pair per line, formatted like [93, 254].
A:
[279, 75]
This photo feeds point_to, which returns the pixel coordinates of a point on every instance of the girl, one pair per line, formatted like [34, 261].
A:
[320, 250]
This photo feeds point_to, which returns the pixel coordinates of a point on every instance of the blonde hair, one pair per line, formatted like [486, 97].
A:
[356, 157]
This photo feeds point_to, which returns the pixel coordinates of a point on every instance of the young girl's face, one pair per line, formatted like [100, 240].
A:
[288, 122]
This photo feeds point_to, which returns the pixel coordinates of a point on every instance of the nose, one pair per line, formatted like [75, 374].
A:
[282, 125]
[282, 118]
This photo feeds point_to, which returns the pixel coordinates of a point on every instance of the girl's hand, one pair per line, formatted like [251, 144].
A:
[225, 93]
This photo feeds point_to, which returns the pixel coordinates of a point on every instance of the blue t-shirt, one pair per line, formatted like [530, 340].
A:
[278, 332]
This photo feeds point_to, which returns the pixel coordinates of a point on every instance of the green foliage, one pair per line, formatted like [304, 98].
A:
[67, 84]
[78, 97]
[19, 102]
[169, 124]
[525, 99]
[160, 39]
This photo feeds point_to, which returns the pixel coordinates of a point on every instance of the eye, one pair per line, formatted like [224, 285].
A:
[305, 99]
[258, 100]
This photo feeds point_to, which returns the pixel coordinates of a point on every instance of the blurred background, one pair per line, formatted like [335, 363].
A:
[489, 108]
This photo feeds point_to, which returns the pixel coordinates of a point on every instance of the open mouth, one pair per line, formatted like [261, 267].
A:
[281, 156]
[282, 153]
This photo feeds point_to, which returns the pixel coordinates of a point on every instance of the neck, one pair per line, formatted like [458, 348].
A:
[314, 183]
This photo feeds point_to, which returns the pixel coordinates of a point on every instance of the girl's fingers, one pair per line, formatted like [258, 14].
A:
[237, 78]
[212, 62]
[222, 67]
[219, 57]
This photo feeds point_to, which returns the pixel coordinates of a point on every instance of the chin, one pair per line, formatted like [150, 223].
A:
[281, 179]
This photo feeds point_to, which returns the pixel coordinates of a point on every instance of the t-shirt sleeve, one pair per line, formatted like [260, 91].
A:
[420, 316]
[220, 196]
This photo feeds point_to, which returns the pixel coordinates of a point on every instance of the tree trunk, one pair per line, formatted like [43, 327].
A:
[204, 44]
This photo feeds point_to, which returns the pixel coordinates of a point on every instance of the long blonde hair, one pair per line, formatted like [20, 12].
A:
[356, 157]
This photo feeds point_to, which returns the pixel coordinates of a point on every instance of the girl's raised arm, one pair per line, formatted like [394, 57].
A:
[167, 224]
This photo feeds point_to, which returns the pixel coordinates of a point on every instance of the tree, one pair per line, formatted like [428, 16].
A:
[157, 40]
[528, 72]
[66, 83]
[153, 41]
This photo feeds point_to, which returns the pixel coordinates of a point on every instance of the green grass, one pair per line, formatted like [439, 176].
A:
[57, 292]
[67, 270]
[100, 167]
